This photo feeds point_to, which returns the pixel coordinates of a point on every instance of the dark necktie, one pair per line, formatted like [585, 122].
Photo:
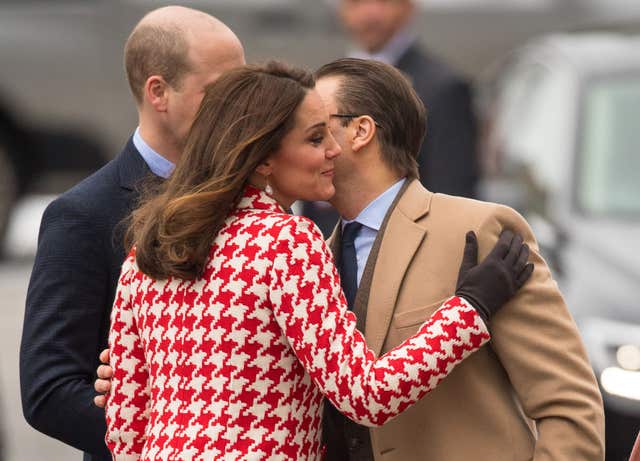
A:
[349, 262]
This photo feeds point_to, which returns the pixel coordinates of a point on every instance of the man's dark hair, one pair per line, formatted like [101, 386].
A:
[384, 93]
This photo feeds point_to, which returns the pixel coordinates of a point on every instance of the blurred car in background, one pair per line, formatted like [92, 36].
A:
[41, 160]
[562, 145]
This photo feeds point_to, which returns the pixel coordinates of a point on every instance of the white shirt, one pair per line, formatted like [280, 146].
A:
[392, 50]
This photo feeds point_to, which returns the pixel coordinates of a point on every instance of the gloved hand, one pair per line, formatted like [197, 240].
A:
[493, 282]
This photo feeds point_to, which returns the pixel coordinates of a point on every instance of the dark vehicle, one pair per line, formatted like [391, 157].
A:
[36, 160]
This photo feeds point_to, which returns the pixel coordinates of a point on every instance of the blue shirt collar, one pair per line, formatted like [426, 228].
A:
[158, 165]
[393, 49]
[374, 213]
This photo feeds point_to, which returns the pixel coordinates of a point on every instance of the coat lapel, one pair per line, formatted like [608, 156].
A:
[364, 289]
[131, 167]
[334, 241]
[402, 237]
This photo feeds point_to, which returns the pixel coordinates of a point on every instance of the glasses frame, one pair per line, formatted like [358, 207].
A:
[353, 116]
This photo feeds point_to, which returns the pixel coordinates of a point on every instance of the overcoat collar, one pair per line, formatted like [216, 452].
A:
[412, 57]
[257, 199]
[403, 235]
[401, 238]
[132, 168]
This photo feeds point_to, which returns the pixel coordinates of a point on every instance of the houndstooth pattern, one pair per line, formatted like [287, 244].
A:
[234, 365]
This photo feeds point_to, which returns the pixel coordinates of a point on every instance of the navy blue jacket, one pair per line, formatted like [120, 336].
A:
[448, 158]
[66, 323]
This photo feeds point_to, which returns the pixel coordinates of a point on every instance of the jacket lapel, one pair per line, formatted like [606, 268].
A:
[401, 239]
[334, 241]
[364, 289]
[410, 58]
[131, 167]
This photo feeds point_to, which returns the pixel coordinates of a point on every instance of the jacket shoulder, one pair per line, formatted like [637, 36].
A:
[98, 183]
[92, 201]
[469, 211]
[429, 71]
[125, 170]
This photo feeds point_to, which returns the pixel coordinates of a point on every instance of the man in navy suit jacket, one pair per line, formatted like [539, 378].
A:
[171, 55]
[381, 31]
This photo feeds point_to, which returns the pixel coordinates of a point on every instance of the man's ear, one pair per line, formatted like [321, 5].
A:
[365, 130]
[156, 92]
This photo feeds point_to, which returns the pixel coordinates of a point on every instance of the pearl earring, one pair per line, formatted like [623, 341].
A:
[268, 189]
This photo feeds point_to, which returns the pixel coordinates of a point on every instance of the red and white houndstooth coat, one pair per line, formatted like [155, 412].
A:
[235, 364]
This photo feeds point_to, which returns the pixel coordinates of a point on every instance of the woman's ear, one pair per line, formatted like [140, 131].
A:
[156, 92]
[265, 168]
[365, 130]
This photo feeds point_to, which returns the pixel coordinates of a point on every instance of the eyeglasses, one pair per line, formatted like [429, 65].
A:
[352, 116]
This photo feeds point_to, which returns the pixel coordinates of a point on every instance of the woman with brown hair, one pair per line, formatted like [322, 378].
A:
[229, 325]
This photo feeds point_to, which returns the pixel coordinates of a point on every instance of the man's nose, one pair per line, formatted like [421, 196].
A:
[334, 149]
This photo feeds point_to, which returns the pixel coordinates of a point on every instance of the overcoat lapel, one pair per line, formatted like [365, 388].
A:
[334, 242]
[364, 288]
[401, 239]
[131, 167]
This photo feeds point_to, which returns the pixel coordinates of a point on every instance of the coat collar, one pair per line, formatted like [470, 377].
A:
[415, 203]
[403, 235]
[256, 199]
[132, 168]
[412, 55]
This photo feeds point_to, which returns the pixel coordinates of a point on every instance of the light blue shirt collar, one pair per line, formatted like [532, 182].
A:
[393, 49]
[158, 165]
[374, 213]
[371, 218]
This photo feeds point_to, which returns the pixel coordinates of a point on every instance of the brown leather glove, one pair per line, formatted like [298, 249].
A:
[493, 282]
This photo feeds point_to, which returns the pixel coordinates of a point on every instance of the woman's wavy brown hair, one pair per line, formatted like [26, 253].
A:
[242, 119]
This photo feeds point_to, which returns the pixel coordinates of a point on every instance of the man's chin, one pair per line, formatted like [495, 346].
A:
[374, 43]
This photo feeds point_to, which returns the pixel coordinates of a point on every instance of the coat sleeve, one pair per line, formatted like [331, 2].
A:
[539, 346]
[311, 310]
[65, 308]
[128, 401]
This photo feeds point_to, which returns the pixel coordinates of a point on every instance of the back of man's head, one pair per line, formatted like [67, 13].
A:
[384, 93]
[160, 44]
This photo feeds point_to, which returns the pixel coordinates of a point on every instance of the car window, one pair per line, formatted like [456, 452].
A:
[537, 127]
[519, 93]
[609, 156]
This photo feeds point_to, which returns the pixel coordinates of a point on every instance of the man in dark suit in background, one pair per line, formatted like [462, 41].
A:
[171, 55]
[448, 163]
[381, 30]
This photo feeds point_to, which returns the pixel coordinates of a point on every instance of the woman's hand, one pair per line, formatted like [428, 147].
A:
[493, 282]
